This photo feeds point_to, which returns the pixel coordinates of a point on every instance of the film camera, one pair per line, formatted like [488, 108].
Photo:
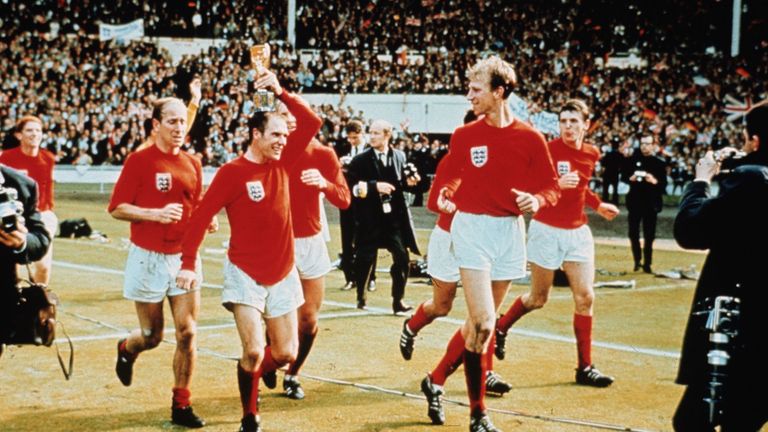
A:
[10, 209]
[722, 326]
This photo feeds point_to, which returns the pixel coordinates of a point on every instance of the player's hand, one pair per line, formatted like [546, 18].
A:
[608, 211]
[169, 214]
[527, 203]
[214, 225]
[569, 181]
[186, 279]
[312, 177]
[268, 80]
[443, 203]
[650, 178]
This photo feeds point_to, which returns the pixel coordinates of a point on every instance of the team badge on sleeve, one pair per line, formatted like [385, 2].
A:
[255, 190]
[479, 155]
[163, 181]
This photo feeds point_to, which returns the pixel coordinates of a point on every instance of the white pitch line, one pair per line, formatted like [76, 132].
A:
[200, 328]
[455, 321]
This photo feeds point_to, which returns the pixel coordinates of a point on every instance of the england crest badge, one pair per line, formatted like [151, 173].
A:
[479, 155]
[255, 190]
[563, 168]
[163, 181]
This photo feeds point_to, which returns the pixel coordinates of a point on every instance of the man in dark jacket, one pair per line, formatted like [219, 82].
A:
[647, 178]
[377, 179]
[733, 227]
[25, 242]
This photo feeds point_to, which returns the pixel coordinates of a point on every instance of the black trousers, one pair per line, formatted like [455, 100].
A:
[608, 183]
[365, 260]
[347, 225]
[744, 410]
[648, 219]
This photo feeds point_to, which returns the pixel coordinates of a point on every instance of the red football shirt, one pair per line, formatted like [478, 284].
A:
[153, 179]
[569, 213]
[305, 200]
[257, 202]
[39, 168]
[491, 160]
[442, 179]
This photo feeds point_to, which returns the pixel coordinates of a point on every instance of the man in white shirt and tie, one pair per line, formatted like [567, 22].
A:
[377, 179]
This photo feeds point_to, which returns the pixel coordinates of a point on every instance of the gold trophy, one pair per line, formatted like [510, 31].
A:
[260, 58]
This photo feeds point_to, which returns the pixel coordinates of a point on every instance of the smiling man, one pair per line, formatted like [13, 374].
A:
[505, 170]
[157, 190]
[260, 278]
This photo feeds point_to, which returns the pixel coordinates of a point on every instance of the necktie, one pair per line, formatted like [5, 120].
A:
[383, 159]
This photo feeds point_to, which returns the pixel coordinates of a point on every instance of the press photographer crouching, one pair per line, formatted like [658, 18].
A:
[23, 239]
[722, 363]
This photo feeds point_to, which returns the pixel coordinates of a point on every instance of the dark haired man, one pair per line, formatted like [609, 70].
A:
[732, 225]
[260, 278]
[559, 236]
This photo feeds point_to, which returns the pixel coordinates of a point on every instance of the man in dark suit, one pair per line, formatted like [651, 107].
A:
[25, 242]
[611, 163]
[647, 178]
[346, 151]
[377, 179]
[732, 225]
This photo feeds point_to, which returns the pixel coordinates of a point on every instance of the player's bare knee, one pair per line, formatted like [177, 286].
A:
[185, 336]
[584, 300]
[442, 308]
[151, 337]
[252, 357]
[285, 355]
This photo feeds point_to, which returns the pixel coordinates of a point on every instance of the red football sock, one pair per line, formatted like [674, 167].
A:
[306, 340]
[419, 320]
[248, 382]
[515, 312]
[474, 372]
[268, 364]
[582, 327]
[489, 352]
[180, 397]
[451, 359]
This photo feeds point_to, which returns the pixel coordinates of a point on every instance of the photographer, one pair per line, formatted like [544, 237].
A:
[26, 243]
[646, 175]
[377, 177]
[733, 227]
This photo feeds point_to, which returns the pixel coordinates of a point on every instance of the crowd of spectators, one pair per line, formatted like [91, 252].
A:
[94, 95]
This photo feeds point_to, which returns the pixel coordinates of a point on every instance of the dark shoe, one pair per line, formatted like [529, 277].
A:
[361, 305]
[500, 349]
[124, 366]
[400, 307]
[434, 401]
[348, 286]
[481, 423]
[186, 417]
[495, 385]
[590, 376]
[250, 423]
[406, 341]
[637, 267]
[647, 269]
[270, 379]
[372, 286]
[293, 388]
